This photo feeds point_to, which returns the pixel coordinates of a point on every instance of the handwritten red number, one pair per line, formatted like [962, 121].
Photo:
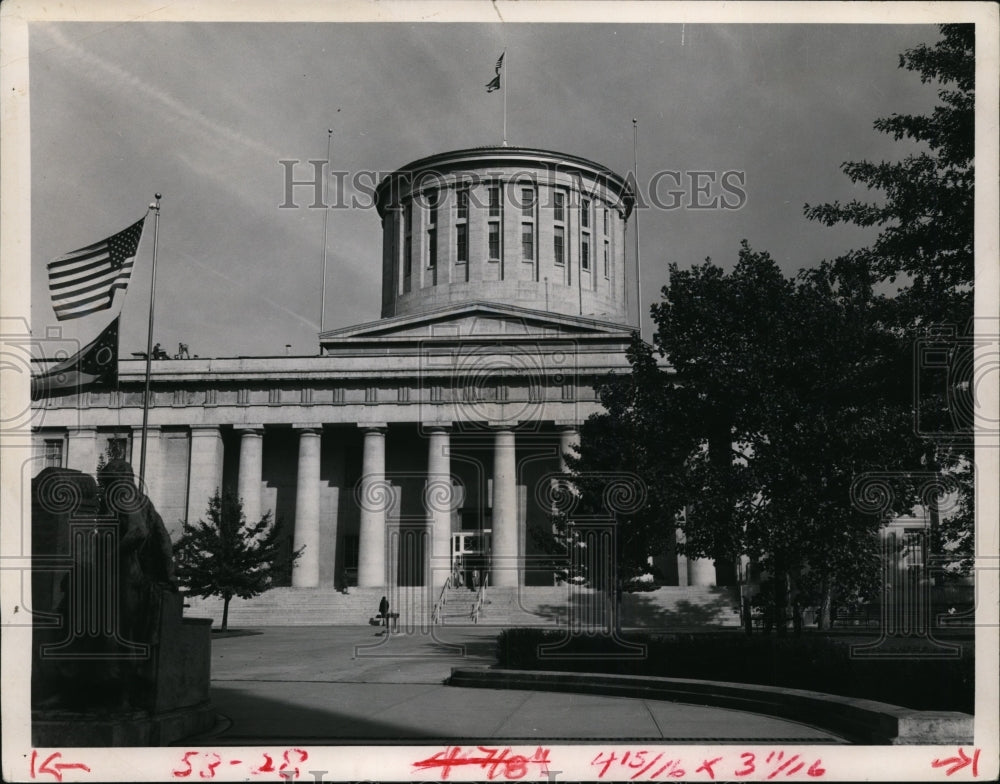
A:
[495, 761]
[267, 767]
[294, 773]
[815, 769]
[210, 773]
[186, 760]
[748, 762]
[441, 759]
[517, 767]
[605, 762]
[492, 760]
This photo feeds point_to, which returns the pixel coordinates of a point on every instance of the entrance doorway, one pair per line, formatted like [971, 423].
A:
[470, 557]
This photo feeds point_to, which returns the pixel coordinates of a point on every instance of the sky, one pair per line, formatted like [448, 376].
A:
[204, 113]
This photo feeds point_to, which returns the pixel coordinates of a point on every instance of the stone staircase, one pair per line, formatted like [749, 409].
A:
[304, 607]
[665, 608]
[458, 606]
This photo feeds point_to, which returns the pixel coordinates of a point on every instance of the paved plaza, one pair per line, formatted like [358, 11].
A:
[336, 684]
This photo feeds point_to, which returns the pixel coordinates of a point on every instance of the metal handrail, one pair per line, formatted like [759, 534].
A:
[480, 597]
[439, 604]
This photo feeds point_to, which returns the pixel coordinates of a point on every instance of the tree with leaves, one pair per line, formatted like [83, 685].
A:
[228, 556]
[771, 398]
[925, 215]
[776, 393]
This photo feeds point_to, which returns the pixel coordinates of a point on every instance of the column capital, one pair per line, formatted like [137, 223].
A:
[255, 429]
[378, 427]
[306, 426]
[567, 424]
[501, 426]
[83, 432]
[436, 427]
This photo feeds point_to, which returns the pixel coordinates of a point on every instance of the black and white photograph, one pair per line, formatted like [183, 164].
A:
[581, 391]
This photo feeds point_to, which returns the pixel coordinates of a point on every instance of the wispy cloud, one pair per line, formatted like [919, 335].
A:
[208, 130]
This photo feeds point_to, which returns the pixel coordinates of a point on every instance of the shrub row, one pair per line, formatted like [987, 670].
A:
[812, 662]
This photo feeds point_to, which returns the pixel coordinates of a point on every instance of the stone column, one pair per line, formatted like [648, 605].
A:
[305, 574]
[373, 496]
[205, 470]
[154, 463]
[505, 571]
[251, 468]
[81, 452]
[438, 503]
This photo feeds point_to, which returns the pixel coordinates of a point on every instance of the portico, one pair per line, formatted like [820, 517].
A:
[402, 476]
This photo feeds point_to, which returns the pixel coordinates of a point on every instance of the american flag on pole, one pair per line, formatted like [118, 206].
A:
[84, 281]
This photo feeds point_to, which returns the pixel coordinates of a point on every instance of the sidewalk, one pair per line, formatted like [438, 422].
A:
[336, 684]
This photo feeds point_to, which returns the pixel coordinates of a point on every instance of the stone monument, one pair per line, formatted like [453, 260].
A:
[114, 663]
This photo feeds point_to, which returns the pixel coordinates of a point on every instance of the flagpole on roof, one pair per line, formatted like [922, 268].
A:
[326, 229]
[504, 55]
[155, 207]
[638, 264]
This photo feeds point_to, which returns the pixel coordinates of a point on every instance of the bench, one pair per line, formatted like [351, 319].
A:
[852, 616]
[378, 620]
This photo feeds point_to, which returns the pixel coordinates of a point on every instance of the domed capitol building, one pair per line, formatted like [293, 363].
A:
[417, 445]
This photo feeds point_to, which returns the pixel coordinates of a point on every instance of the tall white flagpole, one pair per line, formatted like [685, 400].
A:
[326, 228]
[638, 199]
[506, 63]
[155, 207]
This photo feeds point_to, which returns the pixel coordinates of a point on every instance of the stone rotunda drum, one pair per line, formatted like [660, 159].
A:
[525, 227]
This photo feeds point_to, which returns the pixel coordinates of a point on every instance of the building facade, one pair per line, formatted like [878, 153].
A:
[427, 437]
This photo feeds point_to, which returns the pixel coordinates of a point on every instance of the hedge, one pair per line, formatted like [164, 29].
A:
[812, 662]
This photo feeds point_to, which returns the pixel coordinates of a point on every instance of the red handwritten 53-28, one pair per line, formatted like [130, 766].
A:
[203, 764]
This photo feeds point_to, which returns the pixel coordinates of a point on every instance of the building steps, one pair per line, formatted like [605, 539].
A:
[526, 606]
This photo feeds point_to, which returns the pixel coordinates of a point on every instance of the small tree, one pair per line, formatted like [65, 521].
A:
[227, 556]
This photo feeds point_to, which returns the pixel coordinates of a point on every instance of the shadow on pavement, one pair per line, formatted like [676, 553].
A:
[253, 717]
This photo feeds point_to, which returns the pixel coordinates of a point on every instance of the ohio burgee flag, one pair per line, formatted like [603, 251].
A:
[92, 367]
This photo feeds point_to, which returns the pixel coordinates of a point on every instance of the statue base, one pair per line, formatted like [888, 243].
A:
[58, 729]
[174, 705]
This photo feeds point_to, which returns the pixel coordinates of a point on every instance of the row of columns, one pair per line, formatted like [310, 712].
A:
[205, 478]
[374, 498]
[307, 494]
[205, 467]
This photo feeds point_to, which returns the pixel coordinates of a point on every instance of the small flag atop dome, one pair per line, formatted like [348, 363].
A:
[494, 83]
